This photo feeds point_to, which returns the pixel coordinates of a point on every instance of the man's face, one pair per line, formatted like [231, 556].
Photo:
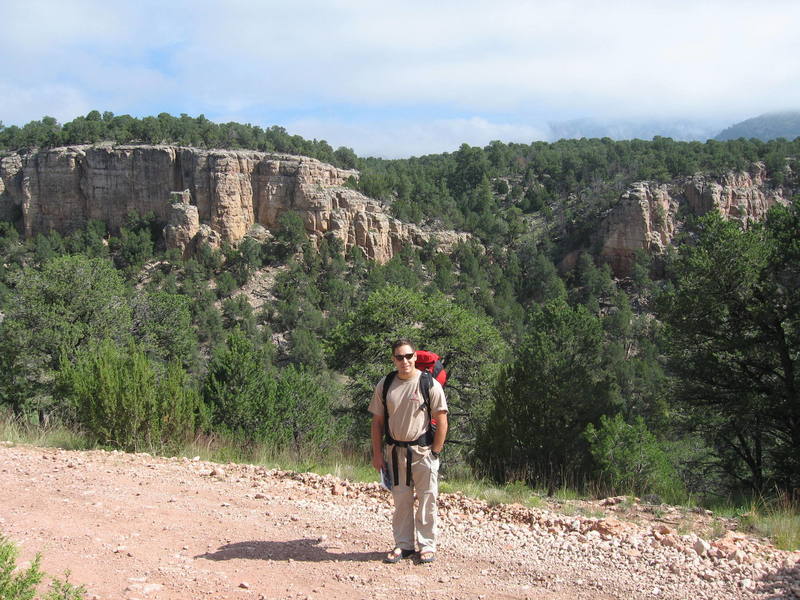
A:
[404, 358]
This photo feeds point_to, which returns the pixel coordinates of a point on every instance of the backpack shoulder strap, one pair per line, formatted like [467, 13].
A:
[425, 384]
[387, 382]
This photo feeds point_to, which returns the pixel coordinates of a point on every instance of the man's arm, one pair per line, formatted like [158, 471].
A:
[441, 432]
[377, 442]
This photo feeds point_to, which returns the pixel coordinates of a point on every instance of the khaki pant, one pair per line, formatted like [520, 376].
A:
[406, 525]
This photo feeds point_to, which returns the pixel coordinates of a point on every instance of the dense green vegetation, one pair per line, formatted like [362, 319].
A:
[563, 385]
[731, 315]
[680, 387]
[184, 130]
[493, 191]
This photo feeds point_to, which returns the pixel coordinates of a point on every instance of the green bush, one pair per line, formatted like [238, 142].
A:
[162, 323]
[125, 400]
[17, 585]
[226, 284]
[62, 589]
[53, 311]
[304, 409]
[631, 459]
[252, 402]
[21, 584]
[239, 392]
[557, 384]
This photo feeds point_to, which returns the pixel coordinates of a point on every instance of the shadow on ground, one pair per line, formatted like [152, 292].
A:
[311, 550]
[781, 584]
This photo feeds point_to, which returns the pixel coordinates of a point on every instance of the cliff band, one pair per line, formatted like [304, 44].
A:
[226, 193]
[217, 196]
[649, 214]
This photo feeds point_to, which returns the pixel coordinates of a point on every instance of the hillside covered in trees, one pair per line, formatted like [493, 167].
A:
[765, 127]
[687, 383]
[184, 130]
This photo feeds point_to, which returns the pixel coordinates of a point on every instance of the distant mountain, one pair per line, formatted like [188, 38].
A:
[766, 127]
[619, 129]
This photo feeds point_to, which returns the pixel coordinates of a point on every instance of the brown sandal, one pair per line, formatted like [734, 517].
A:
[427, 557]
[397, 555]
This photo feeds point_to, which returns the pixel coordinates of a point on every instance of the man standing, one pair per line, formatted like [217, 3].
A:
[413, 449]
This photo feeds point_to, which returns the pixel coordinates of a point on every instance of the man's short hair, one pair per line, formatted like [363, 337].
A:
[403, 342]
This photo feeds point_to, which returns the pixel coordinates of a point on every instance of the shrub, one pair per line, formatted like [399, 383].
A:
[162, 323]
[239, 392]
[304, 408]
[125, 400]
[631, 459]
[21, 584]
[557, 384]
[226, 284]
[17, 585]
[59, 309]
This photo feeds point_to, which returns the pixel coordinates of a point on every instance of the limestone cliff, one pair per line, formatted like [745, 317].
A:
[647, 216]
[217, 196]
[226, 194]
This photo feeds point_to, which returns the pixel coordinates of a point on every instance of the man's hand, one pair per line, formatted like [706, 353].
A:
[378, 462]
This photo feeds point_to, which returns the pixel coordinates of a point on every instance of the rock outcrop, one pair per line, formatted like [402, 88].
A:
[184, 222]
[225, 194]
[647, 216]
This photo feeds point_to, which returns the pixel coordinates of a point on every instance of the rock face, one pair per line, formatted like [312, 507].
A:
[647, 216]
[184, 222]
[228, 194]
[225, 194]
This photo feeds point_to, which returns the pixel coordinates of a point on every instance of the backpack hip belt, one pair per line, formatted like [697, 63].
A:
[426, 439]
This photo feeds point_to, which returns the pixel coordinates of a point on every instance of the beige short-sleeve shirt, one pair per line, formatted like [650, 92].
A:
[408, 418]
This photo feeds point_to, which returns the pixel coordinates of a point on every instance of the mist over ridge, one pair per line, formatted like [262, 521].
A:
[769, 126]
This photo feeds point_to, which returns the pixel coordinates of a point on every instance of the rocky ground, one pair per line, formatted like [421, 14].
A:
[134, 526]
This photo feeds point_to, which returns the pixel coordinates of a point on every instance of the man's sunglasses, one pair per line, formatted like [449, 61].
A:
[400, 357]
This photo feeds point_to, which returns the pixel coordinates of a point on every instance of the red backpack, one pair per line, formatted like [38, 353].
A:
[432, 363]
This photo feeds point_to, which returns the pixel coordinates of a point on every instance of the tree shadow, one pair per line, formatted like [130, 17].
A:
[778, 583]
[301, 550]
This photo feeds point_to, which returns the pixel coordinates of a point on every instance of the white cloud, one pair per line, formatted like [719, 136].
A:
[326, 62]
[413, 137]
[21, 105]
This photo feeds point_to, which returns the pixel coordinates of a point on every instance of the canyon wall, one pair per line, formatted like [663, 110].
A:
[649, 215]
[213, 195]
[217, 196]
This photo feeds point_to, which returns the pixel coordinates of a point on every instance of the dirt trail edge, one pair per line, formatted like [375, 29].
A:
[134, 526]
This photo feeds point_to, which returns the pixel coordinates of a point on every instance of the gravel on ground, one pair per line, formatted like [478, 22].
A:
[136, 527]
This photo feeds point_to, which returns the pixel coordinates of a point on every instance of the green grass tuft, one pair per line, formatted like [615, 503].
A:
[52, 435]
[493, 494]
[778, 520]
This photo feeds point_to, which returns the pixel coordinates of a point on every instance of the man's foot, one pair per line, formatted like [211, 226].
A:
[427, 557]
[397, 555]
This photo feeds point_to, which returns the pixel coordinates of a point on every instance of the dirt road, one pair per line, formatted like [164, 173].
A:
[132, 526]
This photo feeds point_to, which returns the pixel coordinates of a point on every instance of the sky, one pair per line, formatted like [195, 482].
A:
[397, 79]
